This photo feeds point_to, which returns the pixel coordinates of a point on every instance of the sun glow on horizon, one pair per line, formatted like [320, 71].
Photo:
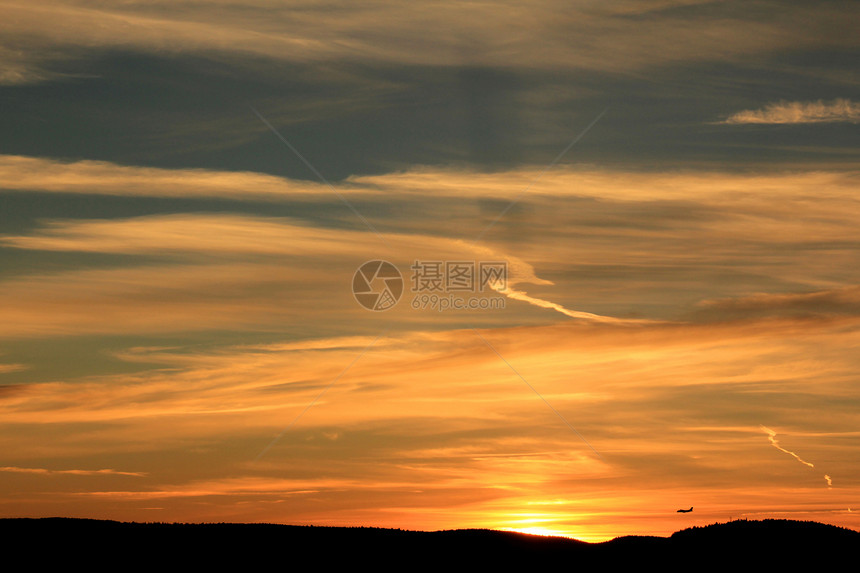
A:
[560, 531]
[547, 525]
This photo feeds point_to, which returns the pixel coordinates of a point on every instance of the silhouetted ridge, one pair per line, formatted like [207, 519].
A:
[737, 544]
[766, 527]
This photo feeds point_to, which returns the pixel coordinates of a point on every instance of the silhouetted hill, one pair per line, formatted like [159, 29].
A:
[738, 544]
[745, 545]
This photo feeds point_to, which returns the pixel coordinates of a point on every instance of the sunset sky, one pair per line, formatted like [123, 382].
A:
[188, 187]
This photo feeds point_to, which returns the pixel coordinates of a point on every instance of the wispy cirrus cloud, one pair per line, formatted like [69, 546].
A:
[44, 471]
[263, 266]
[789, 112]
[106, 178]
[442, 418]
[86, 177]
[12, 367]
[213, 270]
[174, 320]
[435, 33]
[830, 302]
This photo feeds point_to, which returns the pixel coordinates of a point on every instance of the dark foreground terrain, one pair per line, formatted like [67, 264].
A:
[743, 545]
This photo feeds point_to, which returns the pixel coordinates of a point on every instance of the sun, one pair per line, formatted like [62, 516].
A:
[544, 531]
[534, 524]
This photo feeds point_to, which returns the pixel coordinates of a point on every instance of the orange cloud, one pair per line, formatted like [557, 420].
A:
[43, 471]
[396, 33]
[839, 110]
[105, 178]
[12, 367]
[434, 424]
[430, 421]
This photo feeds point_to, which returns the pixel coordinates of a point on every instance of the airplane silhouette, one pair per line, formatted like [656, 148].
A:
[685, 510]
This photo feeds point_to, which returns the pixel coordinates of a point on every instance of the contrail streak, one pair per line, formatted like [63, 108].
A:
[522, 272]
[771, 435]
[520, 295]
[773, 441]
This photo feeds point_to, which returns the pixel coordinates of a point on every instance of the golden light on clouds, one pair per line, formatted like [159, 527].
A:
[610, 37]
[677, 325]
[437, 421]
[800, 112]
